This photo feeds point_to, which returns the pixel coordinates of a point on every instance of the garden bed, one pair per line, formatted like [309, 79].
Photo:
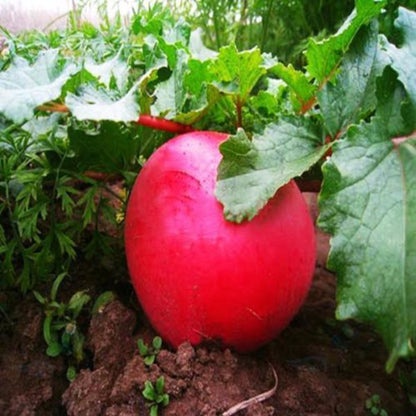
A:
[324, 367]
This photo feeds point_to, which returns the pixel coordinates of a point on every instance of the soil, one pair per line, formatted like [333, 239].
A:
[324, 367]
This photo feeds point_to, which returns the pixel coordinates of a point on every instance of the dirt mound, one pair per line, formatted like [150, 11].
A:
[324, 368]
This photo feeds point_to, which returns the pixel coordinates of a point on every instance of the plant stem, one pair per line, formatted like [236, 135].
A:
[162, 124]
[397, 141]
[239, 113]
[144, 119]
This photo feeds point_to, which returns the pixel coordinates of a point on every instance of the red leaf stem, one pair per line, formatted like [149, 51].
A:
[162, 124]
[144, 119]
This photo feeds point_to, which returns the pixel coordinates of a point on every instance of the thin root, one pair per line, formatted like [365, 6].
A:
[256, 399]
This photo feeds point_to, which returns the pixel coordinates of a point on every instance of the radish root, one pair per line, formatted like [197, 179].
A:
[256, 399]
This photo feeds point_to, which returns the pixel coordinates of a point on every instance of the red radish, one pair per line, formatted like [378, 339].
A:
[200, 277]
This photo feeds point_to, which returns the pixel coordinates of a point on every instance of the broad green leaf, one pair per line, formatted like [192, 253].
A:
[298, 82]
[109, 147]
[145, 99]
[265, 103]
[186, 95]
[368, 205]
[42, 125]
[353, 94]
[403, 59]
[24, 87]
[114, 67]
[198, 49]
[170, 94]
[153, 55]
[269, 61]
[178, 34]
[251, 172]
[98, 104]
[324, 56]
[77, 81]
[393, 105]
[236, 73]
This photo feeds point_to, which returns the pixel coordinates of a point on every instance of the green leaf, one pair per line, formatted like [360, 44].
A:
[198, 49]
[24, 87]
[353, 95]
[265, 103]
[154, 410]
[39, 297]
[324, 56]
[303, 89]
[403, 59]
[157, 343]
[149, 392]
[54, 349]
[105, 71]
[109, 147]
[236, 73]
[160, 385]
[66, 244]
[393, 106]
[144, 98]
[149, 360]
[99, 104]
[103, 300]
[177, 34]
[77, 302]
[71, 373]
[165, 400]
[78, 341]
[368, 205]
[185, 96]
[55, 286]
[47, 334]
[170, 94]
[66, 339]
[251, 172]
[143, 348]
[42, 125]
